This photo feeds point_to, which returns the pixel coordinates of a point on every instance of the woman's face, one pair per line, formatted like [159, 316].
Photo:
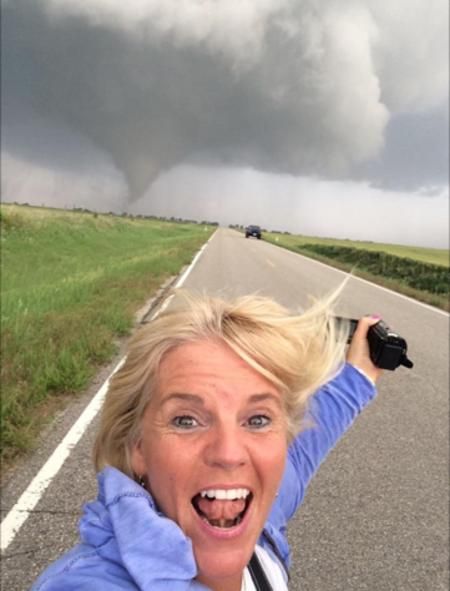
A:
[213, 447]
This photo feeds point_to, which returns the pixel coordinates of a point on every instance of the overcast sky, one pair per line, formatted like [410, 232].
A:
[319, 117]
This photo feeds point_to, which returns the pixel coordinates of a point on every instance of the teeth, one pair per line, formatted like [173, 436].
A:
[225, 495]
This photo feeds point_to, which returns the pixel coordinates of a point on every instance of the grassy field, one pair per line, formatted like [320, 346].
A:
[71, 284]
[431, 256]
[435, 256]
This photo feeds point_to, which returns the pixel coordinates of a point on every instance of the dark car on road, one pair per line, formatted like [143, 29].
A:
[253, 231]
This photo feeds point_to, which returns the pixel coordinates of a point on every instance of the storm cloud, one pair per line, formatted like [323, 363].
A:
[300, 87]
[312, 88]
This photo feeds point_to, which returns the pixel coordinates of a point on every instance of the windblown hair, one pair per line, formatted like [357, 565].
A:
[297, 353]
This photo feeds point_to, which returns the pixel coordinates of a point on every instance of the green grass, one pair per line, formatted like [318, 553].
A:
[436, 256]
[422, 255]
[71, 283]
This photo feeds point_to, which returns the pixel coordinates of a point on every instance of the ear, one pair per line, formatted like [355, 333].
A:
[138, 462]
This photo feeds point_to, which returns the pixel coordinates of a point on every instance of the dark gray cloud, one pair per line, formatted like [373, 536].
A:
[416, 153]
[301, 87]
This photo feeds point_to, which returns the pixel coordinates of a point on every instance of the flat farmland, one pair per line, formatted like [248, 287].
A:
[71, 284]
[435, 256]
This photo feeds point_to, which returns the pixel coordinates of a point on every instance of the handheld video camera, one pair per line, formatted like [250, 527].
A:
[387, 348]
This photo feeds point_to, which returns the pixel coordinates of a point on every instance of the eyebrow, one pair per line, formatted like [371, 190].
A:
[264, 397]
[196, 399]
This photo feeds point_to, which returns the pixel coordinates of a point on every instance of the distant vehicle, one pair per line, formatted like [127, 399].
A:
[253, 231]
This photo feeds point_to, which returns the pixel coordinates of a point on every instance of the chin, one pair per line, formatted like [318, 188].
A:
[220, 565]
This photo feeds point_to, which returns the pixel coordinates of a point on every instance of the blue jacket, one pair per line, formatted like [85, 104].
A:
[126, 544]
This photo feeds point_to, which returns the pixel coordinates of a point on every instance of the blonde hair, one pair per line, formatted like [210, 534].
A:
[297, 353]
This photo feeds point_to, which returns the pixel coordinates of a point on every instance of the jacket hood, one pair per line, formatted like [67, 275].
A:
[124, 527]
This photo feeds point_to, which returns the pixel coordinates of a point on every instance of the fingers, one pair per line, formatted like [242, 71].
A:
[358, 353]
[364, 324]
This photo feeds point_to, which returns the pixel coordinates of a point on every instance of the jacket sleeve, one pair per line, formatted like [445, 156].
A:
[331, 412]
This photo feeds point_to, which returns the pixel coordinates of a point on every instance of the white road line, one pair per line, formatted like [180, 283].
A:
[399, 295]
[21, 510]
[404, 297]
[19, 513]
[183, 278]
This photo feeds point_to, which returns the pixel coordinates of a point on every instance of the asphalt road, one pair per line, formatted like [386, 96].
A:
[376, 514]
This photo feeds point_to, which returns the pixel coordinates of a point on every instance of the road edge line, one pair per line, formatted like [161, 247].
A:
[350, 274]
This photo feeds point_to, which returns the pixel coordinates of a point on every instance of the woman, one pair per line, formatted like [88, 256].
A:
[209, 436]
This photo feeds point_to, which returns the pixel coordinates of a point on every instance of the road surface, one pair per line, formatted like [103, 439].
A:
[376, 515]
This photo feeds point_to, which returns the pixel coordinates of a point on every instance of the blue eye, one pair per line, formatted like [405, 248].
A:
[259, 421]
[184, 422]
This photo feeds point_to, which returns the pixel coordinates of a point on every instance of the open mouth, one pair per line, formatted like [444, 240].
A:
[222, 508]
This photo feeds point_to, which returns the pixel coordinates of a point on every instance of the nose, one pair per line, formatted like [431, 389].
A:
[226, 447]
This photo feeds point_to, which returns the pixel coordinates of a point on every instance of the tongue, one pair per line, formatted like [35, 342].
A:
[214, 510]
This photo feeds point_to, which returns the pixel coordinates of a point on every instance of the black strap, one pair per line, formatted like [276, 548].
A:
[258, 575]
[276, 552]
